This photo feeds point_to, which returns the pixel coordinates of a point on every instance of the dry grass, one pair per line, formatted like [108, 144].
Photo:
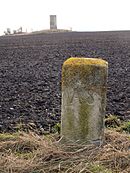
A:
[30, 153]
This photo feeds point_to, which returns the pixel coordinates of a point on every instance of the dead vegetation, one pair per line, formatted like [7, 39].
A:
[30, 153]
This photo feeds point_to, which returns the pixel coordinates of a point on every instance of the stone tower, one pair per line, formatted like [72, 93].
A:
[53, 22]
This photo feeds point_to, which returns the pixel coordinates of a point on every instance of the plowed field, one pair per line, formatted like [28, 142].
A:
[30, 74]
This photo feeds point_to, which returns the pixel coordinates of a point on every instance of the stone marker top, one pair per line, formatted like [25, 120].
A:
[89, 71]
[85, 61]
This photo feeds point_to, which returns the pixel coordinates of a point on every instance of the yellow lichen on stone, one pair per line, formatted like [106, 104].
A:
[85, 61]
[82, 69]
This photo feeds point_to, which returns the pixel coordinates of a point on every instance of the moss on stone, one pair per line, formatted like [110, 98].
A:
[84, 114]
[82, 69]
[85, 61]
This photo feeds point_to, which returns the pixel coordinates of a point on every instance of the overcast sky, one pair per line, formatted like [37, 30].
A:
[81, 15]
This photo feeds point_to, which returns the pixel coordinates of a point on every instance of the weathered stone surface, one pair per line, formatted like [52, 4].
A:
[83, 100]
